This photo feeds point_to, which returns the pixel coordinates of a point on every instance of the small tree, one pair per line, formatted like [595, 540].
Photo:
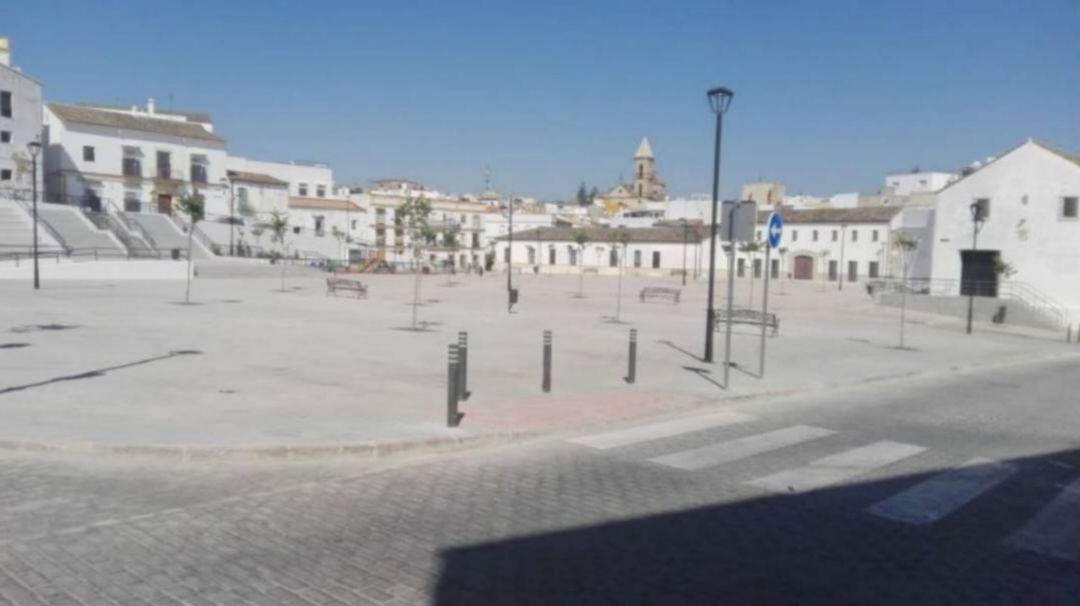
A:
[1003, 269]
[452, 242]
[279, 229]
[783, 266]
[581, 238]
[620, 236]
[340, 236]
[194, 207]
[582, 195]
[413, 215]
[751, 249]
[905, 246]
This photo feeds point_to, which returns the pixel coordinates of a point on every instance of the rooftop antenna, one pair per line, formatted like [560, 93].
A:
[487, 177]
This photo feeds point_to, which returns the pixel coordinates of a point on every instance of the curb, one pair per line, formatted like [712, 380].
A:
[382, 450]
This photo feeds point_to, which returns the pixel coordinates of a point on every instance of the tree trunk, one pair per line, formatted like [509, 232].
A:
[187, 293]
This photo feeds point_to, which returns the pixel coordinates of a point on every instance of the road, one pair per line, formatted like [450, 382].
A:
[963, 489]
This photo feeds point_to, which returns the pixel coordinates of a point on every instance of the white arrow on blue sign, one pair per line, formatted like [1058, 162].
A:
[776, 229]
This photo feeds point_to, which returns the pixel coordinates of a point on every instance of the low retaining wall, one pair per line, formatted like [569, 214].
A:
[1016, 312]
[97, 270]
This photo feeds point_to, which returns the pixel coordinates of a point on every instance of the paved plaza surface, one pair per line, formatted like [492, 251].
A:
[251, 369]
[956, 489]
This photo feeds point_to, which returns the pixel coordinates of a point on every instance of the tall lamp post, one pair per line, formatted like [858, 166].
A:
[684, 238]
[977, 219]
[34, 147]
[840, 269]
[719, 101]
[510, 256]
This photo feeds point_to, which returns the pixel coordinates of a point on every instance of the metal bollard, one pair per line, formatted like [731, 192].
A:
[463, 365]
[452, 416]
[631, 372]
[546, 384]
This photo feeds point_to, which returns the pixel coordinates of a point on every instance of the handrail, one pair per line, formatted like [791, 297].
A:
[78, 253]
[1006, 289]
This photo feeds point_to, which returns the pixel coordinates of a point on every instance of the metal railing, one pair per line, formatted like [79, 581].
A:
[1005, 289]
[84, 254]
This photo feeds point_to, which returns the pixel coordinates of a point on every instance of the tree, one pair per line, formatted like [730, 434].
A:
[783, 267]
[593, 193]
[452, 241]
[1003, 269]
[279, 228]
[581, 238]
[582, 195]
[751, 249]
[194, 207]
[905, 246]
[413, 215]
[620, 236]
[341, 237]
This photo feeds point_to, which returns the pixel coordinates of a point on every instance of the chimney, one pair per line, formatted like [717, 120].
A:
[150, 105]
[5, 52]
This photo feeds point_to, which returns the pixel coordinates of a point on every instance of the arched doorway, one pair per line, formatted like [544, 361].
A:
[804, 268]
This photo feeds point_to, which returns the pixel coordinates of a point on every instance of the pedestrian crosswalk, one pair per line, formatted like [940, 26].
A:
[1054, 530]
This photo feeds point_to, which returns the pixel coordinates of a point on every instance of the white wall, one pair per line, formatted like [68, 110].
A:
[905, 184]
[24, 126]
[596, 258]
[296, 174]
[855, 243]
[106, 271]
[1025, 188]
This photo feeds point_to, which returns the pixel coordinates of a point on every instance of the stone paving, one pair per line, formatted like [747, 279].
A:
[552, 522]
[103, 367]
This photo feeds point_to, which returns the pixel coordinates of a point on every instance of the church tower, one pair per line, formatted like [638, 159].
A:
[647, 183]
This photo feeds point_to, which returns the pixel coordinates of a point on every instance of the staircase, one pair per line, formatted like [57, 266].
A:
[17, 230]
[77, 232]
[134, 244]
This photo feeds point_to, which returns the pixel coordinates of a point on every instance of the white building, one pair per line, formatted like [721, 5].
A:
[20, 123]
[828, 244]
[918, 181]
[305, 179]
[1030, 198]
[134, 159]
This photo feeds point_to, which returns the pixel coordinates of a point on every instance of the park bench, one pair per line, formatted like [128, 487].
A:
[335, 284]
[748, 316]
[661, 292]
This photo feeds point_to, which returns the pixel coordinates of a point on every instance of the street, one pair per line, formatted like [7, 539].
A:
[961, 489]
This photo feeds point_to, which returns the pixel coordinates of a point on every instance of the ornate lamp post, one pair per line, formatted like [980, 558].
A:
[719, 101]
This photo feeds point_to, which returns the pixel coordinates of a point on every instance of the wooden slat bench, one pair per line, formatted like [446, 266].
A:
[748, 316]
[650, 292]
[335, 284]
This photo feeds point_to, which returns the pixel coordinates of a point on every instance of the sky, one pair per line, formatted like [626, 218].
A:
[830, 95]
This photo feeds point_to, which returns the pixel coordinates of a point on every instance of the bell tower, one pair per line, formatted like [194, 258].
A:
[646, 182]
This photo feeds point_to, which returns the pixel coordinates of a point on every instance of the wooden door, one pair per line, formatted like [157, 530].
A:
[804, 268]
[164, 204]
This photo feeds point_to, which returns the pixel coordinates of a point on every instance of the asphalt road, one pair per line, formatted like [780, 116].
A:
[958, 490]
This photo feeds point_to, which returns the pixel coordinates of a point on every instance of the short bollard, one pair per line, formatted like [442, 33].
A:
[452, 416]
[631, 371]
[463, 365]
[546, 384]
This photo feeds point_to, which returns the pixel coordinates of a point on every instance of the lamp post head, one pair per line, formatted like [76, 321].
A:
[34, 147]
[720, 99]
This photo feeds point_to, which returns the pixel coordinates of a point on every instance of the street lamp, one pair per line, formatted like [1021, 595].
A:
[684, 234]
[510, 256]
[977, 219]
[840, 269]
[34, 147]
[719, 101]
[232, 213]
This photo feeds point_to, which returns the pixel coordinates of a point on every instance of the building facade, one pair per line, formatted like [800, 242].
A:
[20, 123]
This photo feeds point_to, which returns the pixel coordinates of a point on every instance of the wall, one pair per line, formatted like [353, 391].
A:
[24, 126]
[798, 240]
[97, 271]
[1025, 188]
[597, 257]
[294, 173]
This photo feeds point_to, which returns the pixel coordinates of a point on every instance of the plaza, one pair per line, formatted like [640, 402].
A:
[250, 370]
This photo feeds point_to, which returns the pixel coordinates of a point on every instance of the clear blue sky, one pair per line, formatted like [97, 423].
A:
[829, 95]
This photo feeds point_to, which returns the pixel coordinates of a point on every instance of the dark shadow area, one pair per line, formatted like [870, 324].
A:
[706, 374]
[99, 372]
[840, 545]
[42, 327]
[421, 327]
[187, 303]
[613, 320]
[694, 356]
[13, 345]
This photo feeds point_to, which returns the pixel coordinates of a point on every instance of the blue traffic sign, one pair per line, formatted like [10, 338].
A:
[776, 229]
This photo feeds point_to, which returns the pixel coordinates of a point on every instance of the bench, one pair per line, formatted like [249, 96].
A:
[748, 316]
[650, 292]
[335, 284]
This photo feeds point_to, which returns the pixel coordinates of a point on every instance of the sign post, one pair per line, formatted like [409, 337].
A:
[775, 231]
[739, 221]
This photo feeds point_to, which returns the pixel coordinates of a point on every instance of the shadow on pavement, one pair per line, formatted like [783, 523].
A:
[821, 547]
[99, 372]
[42, 327]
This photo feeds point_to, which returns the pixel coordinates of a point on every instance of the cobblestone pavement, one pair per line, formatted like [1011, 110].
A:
[795, 501]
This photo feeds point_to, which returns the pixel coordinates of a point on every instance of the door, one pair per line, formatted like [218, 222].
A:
[977, 275]
[804, 268]
[164, 204]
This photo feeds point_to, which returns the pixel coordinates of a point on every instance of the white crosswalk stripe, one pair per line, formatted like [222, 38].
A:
[734, 450]
[838, 468]
[1055, 529]
[664, 429]
[931, 500]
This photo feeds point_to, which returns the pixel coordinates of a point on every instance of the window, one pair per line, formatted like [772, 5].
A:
[854, 235]
[132, 167]
[740, 268]
[758, 236]
[354, 224]
[873, 270]
[874, 236]
[199, 169]
[88, 153]
[164, 165]
[852, 271]
[835, 235]
[320, 226]
[832, 270]
[301, 189]
[656, 259]
[5, 174]
[5, 136]
[637, 258]
[757, 268]
[320, 191]
[1069, 207]
[984, 208]
[613, 257]
[5, 104]
[774, 268]
[296, 230]
[532, 256]
[814, 235]
[551, 256]
[573, 256]
[506, 255]
[794, 235]
[131, 202]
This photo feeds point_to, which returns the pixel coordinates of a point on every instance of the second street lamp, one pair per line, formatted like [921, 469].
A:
[719, 102]
[34, 147]
[977, 218]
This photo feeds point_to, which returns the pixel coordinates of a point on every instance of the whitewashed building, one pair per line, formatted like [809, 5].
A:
[1030, 196]
[20, 123]
[133, 159]
[830, 244]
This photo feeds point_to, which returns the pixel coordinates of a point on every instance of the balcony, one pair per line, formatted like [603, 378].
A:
[168, 173]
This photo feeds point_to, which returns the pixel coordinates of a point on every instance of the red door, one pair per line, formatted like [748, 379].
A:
[804, 267]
